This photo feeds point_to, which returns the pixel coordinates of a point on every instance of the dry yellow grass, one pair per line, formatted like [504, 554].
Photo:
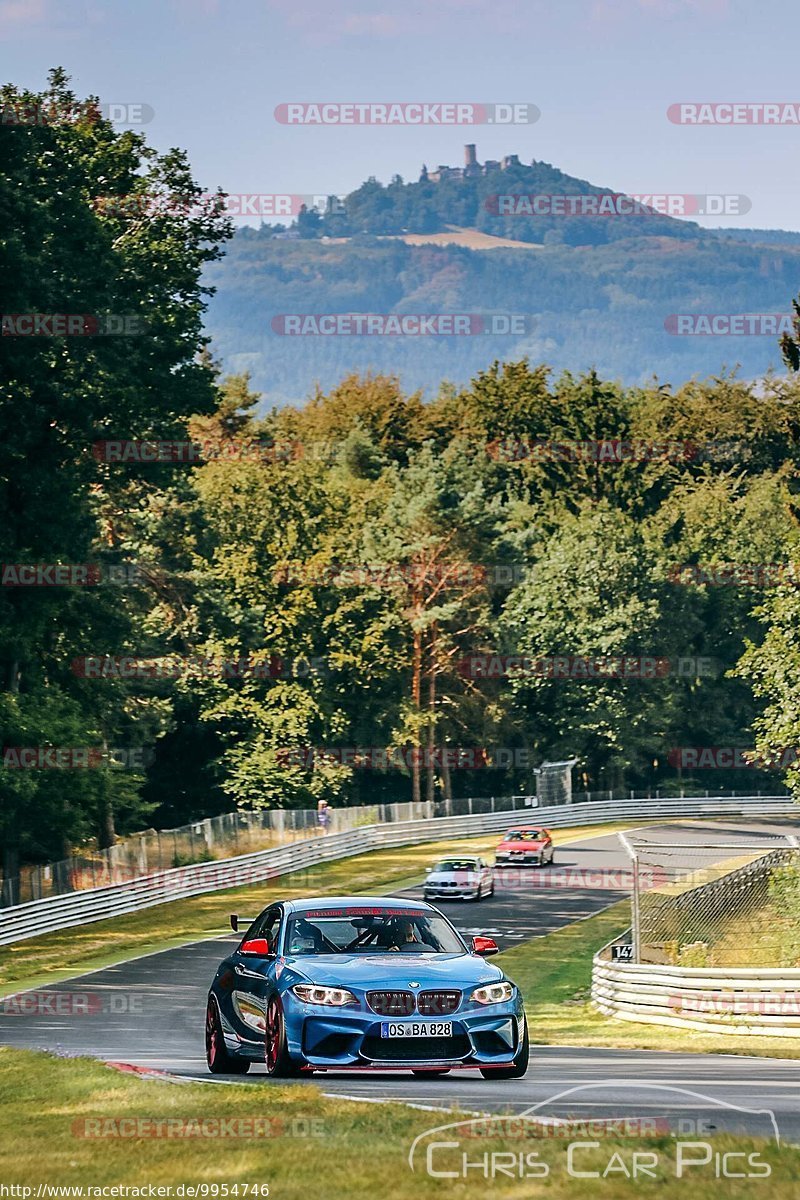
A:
[455, 235]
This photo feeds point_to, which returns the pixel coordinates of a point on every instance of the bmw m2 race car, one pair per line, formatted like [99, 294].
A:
[359, 982]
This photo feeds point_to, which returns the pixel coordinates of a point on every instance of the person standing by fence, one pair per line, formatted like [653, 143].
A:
[323, 815]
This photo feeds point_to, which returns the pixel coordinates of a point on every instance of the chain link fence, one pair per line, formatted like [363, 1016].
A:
[724, 902]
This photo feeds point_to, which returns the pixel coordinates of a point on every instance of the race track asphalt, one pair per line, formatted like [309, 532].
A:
[149, 1012]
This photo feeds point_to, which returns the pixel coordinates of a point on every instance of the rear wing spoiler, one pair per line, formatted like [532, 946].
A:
[235, 919]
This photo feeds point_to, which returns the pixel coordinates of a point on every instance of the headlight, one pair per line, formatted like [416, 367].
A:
[313, 994]
[493, 993]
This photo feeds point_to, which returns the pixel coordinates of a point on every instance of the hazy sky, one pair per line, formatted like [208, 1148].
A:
[602, 72]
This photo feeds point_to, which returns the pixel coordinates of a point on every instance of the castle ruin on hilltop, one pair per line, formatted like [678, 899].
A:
[470, 169]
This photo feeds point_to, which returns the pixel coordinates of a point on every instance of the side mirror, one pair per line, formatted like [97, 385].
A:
[484, 946]
[257, 946]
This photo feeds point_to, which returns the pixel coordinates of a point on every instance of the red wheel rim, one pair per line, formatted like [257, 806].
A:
[273, 1033]
[212, 1035]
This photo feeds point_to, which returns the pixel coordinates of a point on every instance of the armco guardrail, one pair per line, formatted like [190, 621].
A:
[762, 1001]
[96, 904]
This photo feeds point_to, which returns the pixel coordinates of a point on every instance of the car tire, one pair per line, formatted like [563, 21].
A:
[479, 893]
[280, 1064]
[434, 1073]
[220, 1062]
[517, 1068]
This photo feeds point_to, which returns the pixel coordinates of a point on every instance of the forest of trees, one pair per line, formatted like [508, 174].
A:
[586, 306]
[317, 576]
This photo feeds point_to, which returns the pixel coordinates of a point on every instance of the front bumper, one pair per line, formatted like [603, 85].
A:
[481, 1036]
[451, 893]
[530, 858]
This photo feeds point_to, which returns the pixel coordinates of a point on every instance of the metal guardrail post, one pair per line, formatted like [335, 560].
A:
[636, 933]
[636, 924]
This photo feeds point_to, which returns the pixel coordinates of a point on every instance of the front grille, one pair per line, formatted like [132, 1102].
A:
[436, 1004]
[391, 1004]
[415, 1049]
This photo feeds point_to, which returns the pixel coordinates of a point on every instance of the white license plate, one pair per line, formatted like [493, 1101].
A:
[417, 1029]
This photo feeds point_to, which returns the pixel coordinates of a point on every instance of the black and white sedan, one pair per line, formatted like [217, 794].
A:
[468, 878]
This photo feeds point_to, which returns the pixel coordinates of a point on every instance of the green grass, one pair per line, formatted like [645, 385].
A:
[555, 975]
[57, 955]
[358, 1151]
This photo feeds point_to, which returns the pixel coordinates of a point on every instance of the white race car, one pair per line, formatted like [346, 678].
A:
[459, 879]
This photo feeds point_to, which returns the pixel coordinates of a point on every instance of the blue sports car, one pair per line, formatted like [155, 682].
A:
[358, 982]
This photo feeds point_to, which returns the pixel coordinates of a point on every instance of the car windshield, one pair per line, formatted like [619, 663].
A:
[370, 931]
[457, 864]
[524, 835]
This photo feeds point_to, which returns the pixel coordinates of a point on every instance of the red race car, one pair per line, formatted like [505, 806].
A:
[525, 846]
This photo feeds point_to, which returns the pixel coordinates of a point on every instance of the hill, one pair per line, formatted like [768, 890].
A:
[598, 291]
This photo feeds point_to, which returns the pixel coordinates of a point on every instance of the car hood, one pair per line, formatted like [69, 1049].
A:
[381, 971]
[453, 876]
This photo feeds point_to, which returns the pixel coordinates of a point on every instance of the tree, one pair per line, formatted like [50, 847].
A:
[790, 342]
[75, 244]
